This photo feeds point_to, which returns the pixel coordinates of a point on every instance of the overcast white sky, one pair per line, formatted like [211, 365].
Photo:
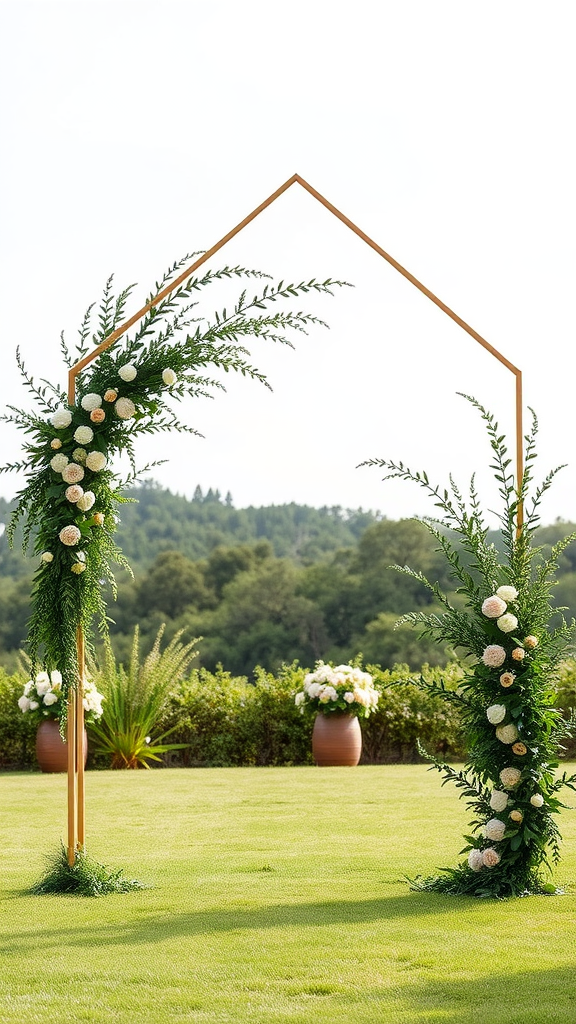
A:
[136, 132]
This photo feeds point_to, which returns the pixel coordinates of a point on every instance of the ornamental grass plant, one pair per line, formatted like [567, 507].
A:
[135, 700]
[513, 728]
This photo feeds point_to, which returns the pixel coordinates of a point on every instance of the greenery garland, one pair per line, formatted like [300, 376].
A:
[69, 504]
[502, 626]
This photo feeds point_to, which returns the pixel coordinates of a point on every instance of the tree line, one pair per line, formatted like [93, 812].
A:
[265, 586]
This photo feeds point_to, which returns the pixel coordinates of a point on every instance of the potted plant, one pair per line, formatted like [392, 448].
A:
[340, 695]
[43, 699]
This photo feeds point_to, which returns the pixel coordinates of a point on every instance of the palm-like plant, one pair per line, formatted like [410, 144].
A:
[135, 700]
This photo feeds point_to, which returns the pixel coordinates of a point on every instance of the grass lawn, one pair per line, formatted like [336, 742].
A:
[278, 896]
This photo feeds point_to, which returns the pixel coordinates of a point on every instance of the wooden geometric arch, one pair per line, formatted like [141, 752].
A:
[76, 810]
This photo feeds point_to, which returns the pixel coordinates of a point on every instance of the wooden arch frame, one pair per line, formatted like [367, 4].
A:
[76, 801]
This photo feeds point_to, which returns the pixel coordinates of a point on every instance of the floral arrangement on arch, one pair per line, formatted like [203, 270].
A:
[69, 505]
[506, 701]
[344, 688]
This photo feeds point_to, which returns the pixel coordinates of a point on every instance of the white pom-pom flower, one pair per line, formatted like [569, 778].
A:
[507, 623]
[125, 408]
[96, 461]
[86, 501]
[168, 376]
[496, 713]
[498, 800]
[507, 733]
[47, 557]
[50, 698]
[507, 593]
[83, 435]
[91, 401]
[24, 703]
[59, 462]
[61, 418]
[475, 860]
[494, 829]
[127, 372]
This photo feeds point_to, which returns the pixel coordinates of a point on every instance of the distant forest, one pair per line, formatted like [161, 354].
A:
[263, 586]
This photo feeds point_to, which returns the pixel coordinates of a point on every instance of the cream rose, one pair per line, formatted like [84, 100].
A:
[510, 777]
[498, 800]
[494, 829]
[72, 473]
[490, 858]
[475, 860]
[96, 461]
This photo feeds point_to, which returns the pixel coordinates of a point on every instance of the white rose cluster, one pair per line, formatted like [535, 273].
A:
[494, 607]
[327, 684]
[92, 700]
[42, 694]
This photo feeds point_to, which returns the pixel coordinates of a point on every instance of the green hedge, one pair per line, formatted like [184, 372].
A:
[228, 720]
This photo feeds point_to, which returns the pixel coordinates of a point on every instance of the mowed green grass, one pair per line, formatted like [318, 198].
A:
[278, 895]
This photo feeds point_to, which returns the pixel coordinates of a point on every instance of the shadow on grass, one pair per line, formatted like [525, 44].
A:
[158, 927]
[520, 997]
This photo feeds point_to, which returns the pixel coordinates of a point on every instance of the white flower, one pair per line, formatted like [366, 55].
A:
[490, 858]
[47, 556]
[61, 418]
[23, 704]
[83, 435]
[507, 593]
[348, 697]
[55, 443]
[313, 689]
[507, 733]
[96, 461]
[50, 698]
[125, 408]
[299, 698]
[34, 705]
[531, 642]
[510, 777]
[494, 656]
[516, 816]
[42, 683]
[79, 455]
[70, 535]
[74, 493]
[537, 800]
[493, 607]
[494, 829]
[327, 693]
[496, 713]
[72, 473]
[59, 462]
[91, 401]
[56, 678]
[127, 372]
[28, 688]
[475, 860]
[507, 623]
[169, 377]
[498, 800]
[361, 697]
[86, 501]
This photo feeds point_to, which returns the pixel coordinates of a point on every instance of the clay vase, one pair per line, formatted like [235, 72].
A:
[336, 740]
[51, 750]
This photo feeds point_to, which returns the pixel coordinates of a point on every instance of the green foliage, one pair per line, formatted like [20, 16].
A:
[506, 700]
[127, 391]
[134, 702]
[85, 877]
[17, 730]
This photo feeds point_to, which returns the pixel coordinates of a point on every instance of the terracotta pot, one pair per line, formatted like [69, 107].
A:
[336, 740]
[51, 750]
